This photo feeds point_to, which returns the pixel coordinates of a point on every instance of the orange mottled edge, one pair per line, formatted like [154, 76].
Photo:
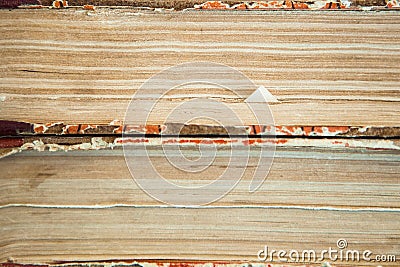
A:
[192, 130]
[209, 5]
[12, 128]
[299, 5]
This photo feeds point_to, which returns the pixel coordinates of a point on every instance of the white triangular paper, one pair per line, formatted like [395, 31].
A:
[261, 95]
